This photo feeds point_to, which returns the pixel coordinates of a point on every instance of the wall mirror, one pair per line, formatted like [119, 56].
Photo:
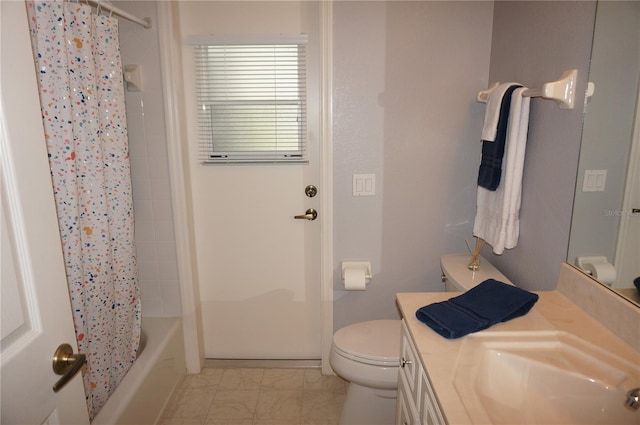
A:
[606, 212]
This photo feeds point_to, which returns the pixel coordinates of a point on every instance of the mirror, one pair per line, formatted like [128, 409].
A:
[606, 219]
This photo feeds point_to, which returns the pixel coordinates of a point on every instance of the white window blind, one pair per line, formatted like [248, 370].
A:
[251, 99]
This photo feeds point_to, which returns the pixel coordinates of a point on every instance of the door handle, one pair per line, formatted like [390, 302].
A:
[67, 364]
[310, 214]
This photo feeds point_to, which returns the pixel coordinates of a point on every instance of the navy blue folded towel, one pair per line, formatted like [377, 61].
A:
[482, 306]
[490, 171]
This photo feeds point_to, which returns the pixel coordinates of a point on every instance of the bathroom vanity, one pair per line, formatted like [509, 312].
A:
[558, 363]
[416, 402]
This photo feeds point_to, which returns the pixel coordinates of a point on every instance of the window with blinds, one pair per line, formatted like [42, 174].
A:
[251, 100]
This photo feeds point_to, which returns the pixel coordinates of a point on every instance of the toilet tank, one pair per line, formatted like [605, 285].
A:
[458, 278]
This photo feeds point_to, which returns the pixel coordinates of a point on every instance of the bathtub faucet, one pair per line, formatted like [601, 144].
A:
[633, 399]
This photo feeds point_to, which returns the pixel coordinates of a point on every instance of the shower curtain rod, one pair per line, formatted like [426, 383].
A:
[145, 22]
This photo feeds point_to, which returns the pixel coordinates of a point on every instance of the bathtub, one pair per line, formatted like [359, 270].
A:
[147, 387]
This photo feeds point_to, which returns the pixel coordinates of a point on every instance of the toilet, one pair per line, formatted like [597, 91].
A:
[367, 354]
[458, 278]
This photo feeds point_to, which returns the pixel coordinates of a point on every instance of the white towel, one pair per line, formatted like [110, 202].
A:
[492, 112]
[497, 216]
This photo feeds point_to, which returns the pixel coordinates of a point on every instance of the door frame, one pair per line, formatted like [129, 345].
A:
[326, 177]
[171, 60]
[622, 261]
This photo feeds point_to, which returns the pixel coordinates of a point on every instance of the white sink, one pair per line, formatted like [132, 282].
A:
[547, 377]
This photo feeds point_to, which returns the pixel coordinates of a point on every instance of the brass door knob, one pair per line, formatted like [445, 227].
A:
[310, 214]
[67, 364]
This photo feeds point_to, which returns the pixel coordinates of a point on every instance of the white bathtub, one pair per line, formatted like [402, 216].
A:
[147, 387]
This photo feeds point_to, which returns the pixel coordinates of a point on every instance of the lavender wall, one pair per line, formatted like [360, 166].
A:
[406, 75]
[405, 79]
[534, 42]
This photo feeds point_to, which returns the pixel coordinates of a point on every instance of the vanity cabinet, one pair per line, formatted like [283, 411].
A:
[416, 403]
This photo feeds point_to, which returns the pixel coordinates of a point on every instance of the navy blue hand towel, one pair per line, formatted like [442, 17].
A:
[486, 304]
[490, 171]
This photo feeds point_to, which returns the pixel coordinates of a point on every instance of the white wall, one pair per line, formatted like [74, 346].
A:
[406, 75]
[154, 235]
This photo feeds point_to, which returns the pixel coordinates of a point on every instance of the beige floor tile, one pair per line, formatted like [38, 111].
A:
[315, 380]
[241, 379]
[233, 404]
[277, 422]
[208, 378]
[248, 396]
[320, 407]
[181, 421]
[189, 403]
[229, 422]
[282, 379]
[320, 422]
[284, 405]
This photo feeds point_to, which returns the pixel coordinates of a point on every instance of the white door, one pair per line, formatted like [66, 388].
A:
[258, 266]
[36, 313]
[262, 300]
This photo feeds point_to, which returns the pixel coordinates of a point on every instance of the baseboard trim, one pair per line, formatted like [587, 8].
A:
[263, 363]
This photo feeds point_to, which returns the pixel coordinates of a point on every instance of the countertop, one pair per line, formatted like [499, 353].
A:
[631, 293]
[439, 356]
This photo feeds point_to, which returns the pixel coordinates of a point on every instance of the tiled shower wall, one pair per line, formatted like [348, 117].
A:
[154, 232]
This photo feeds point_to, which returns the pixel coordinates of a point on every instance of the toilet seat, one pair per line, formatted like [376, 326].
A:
[375, 342]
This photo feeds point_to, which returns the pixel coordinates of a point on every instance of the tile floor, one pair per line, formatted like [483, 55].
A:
[252, 396]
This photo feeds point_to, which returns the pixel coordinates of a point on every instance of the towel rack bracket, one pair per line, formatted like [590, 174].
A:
[483, 95]
[562, 91]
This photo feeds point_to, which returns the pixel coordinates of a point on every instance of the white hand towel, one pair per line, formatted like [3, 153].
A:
[492, 112]
[497, 216]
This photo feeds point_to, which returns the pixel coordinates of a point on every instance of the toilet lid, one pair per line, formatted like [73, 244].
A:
[376, 341]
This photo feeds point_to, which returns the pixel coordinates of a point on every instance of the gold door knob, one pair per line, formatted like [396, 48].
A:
[310, 214]
[67, 364]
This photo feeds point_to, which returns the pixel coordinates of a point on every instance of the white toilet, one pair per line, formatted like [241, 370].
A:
[367, 354]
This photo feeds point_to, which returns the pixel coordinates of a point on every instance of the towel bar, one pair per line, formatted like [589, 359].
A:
[562, 91]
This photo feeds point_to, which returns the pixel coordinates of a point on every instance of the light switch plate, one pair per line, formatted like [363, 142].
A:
[594, 180]
[364, 184]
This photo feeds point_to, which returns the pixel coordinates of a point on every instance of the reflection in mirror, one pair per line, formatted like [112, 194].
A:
[606, 221]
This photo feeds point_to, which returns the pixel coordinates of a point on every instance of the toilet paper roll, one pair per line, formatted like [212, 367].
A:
[355, 279]
[603, 272]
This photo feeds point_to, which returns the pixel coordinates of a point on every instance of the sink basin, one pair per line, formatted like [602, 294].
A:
[548, 377]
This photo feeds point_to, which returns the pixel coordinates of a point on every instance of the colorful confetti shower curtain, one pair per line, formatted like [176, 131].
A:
[77, 56]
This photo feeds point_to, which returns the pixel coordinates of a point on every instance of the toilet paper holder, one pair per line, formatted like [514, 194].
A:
[591, 264]
[582, 262]
[357, 264]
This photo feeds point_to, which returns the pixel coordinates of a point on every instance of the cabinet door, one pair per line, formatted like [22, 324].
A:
[406, 412]
[430, 412]
[410, 365]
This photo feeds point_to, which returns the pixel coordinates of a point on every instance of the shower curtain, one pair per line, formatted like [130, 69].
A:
[77, 57]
